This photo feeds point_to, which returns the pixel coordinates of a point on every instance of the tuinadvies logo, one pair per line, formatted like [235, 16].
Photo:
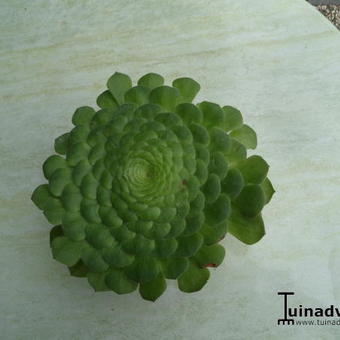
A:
[290, 314]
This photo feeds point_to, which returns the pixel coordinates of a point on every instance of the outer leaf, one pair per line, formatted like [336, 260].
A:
[79, 269]
[66, 251]
[118, 84]
[41, 195]
[193, 279]
[54, 211]
[106, 100]
[55, 232]
[236, 153]
[187, 87]
[213, 114]
[251, 200]
[138, 95]
[245, 135]
[97, 281]
[151, 80]
[268, 190]
[53, 163]
[233, 118]
[165, 96]
[210, 256]
[83, 115]
[215, 233]
[254, 169]
[119, 282]
[152, 290]
[174, 267]
[61, 143]
[249, 230]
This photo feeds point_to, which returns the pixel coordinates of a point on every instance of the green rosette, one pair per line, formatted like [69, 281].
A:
[143, 189]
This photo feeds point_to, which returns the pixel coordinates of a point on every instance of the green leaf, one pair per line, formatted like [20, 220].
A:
[83, 115]
[89, 210]
[119, 282]
[71, 198]
[61, 143]
[41, 195]
[213, 114]
[190, 113]
[55, 232]
[173, 267]
[233, 118]
[193, 279]
[213, 234]
[152, 290]
[53, 163]
[188, 245]
[151, 80]
[245, 135]
[218, 211]
[74, 226]
[148, 111]
[193, 224]
[102, 117]
[99, 236]
[165, 247]
[254, 169]
[210, 256]
[212, 188]
[66, 251]
[144, 269]
[268, 190]
[79, 269]
[138, 95]
[165, 96]
[187, 87]
[106, 101]
[97, 281]
[218, 165]
[249, 230]
[233, 183]
[201, 171]
[58, 181]
[117, 257]
[93, 260]
[54, 211]
[199, 133]
[193, 187]
[76, 153]
[118, 84]
[219, 140]
[168, 119]
[236, 153]
[251, 200]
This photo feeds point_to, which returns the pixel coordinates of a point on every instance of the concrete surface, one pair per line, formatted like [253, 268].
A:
[275, 60]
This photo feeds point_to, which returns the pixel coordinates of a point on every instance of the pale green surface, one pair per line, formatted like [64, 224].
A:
[278, 61]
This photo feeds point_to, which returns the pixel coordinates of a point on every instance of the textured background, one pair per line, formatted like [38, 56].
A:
[276, 60]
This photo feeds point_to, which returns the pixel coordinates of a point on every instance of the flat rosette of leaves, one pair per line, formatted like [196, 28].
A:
[143, 189]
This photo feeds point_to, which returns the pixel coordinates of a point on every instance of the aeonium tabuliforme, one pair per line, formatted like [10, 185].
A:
[144, 189]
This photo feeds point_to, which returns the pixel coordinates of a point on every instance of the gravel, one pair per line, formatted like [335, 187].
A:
[332, 13]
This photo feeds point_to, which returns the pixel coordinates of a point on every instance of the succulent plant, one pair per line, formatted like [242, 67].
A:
[144, 189]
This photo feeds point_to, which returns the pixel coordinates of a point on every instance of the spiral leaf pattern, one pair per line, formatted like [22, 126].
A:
[144, 189]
